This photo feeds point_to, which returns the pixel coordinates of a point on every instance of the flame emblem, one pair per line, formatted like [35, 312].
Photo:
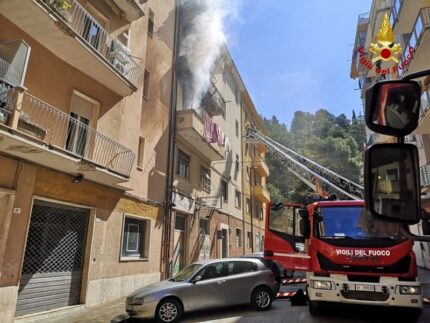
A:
[385, 48]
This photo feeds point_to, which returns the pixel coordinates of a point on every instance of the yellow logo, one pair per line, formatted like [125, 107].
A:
[385, 48]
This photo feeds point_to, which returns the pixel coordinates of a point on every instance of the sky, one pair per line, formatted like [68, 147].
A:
[296, 55]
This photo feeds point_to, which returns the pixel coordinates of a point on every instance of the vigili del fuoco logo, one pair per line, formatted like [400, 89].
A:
[386, 50]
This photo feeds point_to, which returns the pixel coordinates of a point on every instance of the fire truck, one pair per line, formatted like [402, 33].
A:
[349, 256]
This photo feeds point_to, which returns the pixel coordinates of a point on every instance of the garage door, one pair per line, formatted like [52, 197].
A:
[52, 270]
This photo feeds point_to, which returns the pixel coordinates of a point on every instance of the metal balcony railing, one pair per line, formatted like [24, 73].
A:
[395, 11]
[98, 39]
[71, 134]
[213, 101]
[425, 175]
[421, 24]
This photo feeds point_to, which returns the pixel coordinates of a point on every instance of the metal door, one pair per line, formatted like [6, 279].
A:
[52, 270]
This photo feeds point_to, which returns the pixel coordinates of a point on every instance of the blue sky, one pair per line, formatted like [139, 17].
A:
[296, 55]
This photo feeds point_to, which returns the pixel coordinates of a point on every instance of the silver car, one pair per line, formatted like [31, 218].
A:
[203, 285]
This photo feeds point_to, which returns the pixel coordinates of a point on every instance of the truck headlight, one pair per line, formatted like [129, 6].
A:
[321, 284]
[409, 290]
[137, 301]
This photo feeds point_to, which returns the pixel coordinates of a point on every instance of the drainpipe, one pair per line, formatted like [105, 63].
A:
[251, 184]
[171, 150]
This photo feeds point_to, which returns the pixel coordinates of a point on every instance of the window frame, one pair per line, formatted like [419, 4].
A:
[205, 182]
[237, 199]
[248, 205]
[224, 188]
[239, 237]
[151, 23]
[141, 153]
[144, 240]
[146, 84]
[248, 239]
[184, 157]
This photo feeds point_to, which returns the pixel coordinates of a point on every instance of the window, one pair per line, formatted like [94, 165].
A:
[224, 190]
[135, 238]
[216, 270]
[258, 211]
[146, 80]
[205, 179]
[237, 199]
[151, 23]
[141, 152]
[204, 227]
[238, 238]
[240, 267]
[247, 173]
[237, 128]
[246, 149]
[183, 165]
[248, 205]
[248, 239]
[180, 222]
[237, 162]
[124, 38]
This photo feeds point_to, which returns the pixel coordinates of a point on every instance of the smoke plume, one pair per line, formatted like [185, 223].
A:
[201, 39]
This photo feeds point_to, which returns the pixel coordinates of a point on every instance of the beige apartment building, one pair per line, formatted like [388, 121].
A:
[410, 21]
[255, 173]
[211, 199]
[85, 95]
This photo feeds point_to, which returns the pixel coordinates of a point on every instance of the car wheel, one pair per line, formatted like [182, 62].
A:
[261, 298]
[169, 310]
[314, 308]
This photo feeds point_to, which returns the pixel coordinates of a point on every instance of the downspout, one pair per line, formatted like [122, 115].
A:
[251, 183]
[171, 149]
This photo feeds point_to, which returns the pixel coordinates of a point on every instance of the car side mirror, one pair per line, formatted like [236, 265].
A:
[391, 182]
[196, 279]
[393, 107]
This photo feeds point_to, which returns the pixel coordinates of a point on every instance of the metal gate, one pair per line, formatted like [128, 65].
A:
[52, 270]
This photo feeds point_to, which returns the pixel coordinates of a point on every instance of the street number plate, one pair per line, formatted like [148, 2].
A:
[365, 288]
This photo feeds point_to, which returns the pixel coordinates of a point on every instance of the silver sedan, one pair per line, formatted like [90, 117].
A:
[203, 285]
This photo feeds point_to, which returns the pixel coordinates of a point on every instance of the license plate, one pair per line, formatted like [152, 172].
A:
[365, 288]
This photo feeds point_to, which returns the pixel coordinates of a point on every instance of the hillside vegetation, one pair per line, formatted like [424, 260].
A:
[332, 141]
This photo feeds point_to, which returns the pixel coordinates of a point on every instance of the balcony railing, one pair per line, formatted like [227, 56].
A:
[213, 102]
[42, 121]
[425, 175]
[395, 11]
[421, 24]
[98, 39]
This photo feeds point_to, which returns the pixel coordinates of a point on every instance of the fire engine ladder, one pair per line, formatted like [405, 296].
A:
[305, 169]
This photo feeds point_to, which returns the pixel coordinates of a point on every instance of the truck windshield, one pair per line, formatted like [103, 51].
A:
[353, 223]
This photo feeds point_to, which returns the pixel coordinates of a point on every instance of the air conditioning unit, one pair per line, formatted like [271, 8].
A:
[120, 67]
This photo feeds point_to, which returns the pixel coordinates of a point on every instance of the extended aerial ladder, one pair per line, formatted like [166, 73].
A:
[308, 171]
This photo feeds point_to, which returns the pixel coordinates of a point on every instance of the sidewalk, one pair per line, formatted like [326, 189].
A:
[424, 279]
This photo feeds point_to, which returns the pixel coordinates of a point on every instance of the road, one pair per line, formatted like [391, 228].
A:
[282, 311]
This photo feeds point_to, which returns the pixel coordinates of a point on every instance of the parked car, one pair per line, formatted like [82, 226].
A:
[203, 285]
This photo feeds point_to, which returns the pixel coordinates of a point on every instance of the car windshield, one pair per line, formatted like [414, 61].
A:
[353, 223]
[186, 273]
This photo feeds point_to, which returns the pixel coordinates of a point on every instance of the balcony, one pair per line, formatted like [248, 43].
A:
[77, 38]
[212, 102]
[189, 126]
[424, 120]
[132, 9]
[33, 130]
[260, 166]
[420, 40]
[261, 194]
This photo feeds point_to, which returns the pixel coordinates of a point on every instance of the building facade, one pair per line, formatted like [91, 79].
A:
[410, 22]
[85, 95]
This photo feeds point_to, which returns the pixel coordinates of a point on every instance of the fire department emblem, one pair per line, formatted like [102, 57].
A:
[385, 48]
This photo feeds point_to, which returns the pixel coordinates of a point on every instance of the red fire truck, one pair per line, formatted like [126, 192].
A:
[349, 256]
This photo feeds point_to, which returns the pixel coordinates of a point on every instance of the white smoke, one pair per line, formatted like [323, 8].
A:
[203, 35]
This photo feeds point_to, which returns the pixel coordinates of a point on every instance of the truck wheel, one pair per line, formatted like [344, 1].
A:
[261, 298]
[314, 308]
[410, 315]
[169, 310]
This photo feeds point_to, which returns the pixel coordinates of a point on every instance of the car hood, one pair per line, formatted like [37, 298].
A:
[155, 287]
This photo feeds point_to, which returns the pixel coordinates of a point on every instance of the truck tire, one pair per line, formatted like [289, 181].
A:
[314, 308]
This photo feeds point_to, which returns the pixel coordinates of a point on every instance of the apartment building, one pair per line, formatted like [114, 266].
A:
[410, 22]
[255, 173]
[211, 201]
[85, 95]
